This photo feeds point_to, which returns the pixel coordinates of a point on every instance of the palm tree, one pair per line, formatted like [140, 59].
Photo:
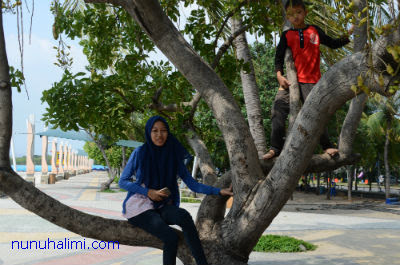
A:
[384, 124]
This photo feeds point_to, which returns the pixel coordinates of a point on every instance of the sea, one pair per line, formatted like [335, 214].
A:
[22, 168]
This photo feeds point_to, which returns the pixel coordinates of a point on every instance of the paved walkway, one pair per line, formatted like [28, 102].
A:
[364, 232]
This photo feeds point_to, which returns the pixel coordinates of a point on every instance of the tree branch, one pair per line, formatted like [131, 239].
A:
[227, 44]
[206, 165]
[227, 17]
[354, 113]
[212, 210]
[131, 108]
[320, 162]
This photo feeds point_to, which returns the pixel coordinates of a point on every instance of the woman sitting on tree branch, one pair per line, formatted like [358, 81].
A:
[152, 202]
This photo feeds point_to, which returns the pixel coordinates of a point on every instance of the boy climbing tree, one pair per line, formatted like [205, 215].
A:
[304, 41]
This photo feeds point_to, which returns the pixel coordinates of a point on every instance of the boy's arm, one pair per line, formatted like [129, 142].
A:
[331, 42]
[280, 60]
[280, 53]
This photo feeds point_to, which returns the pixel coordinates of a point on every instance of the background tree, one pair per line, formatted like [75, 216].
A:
[384, 125]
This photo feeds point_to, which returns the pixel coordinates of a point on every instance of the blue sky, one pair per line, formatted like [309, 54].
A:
[39, 69]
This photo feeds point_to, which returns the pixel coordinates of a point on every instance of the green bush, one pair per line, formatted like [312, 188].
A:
[108, 191]
[275, 243]
[190, 200]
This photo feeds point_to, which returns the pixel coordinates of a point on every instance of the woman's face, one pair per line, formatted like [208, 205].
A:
[159, 133]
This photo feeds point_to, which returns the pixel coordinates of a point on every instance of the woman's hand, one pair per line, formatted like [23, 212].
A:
[226, 192]
[156, 195]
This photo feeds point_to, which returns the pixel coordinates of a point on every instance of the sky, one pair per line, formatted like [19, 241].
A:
[39, 70]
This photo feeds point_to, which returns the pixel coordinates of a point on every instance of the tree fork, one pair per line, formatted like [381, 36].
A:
[281, 181]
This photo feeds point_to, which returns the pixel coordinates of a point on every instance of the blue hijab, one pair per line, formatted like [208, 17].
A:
[159, 164]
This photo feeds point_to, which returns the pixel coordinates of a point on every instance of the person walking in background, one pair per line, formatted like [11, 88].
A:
[152, 202]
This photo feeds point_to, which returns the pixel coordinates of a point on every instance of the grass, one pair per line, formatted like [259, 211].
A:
[190, 200]
[108, 191]
[275, 243]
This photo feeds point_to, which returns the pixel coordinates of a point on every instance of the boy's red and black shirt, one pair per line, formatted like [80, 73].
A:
[304, 44]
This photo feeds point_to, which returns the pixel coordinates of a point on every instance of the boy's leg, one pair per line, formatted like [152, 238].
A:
[279, 113]
[326, 144]
[174, 215]
[305, 89]
[324, 141]
[151, 222]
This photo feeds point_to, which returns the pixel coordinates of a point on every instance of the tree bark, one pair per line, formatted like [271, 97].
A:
[250, 89]
[206, 165]
[354, 113]
[5, 102]
[291, 73]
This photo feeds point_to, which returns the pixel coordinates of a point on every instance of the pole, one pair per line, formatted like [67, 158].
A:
[13, 154]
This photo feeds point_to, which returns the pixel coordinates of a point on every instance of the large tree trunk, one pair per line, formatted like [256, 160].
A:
[258, 199]
[250, 89]
[386, 160]
[5, 102]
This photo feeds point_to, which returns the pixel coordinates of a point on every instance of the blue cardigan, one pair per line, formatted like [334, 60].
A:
[135, 187]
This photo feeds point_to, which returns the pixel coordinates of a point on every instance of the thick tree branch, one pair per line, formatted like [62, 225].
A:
[320, 163]
[354, 113]
[212, 210]
[76, 221]
[295, 103]
[250, 89]
[291, 72]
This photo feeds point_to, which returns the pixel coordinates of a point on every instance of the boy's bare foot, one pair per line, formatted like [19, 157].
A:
[332, 151]
[270, 154]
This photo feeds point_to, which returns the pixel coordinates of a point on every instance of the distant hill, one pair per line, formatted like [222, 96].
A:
[37, 160]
